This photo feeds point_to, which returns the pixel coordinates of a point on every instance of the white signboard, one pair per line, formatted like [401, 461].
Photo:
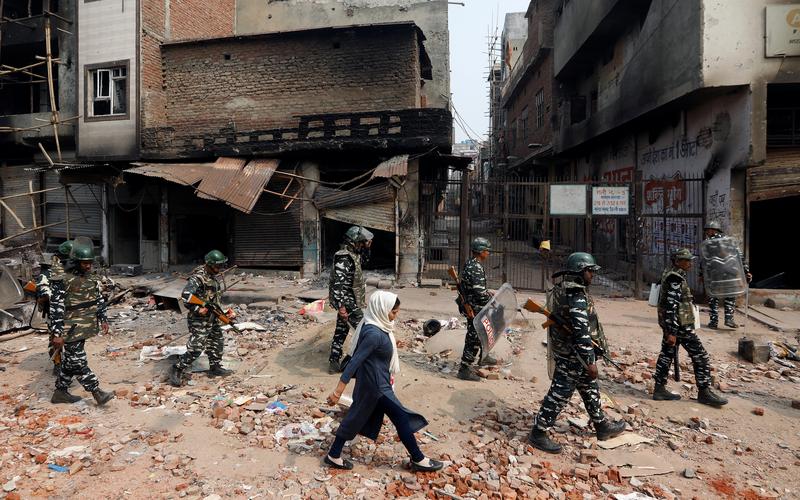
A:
[610, 200]
[567, 199]
[783, 30]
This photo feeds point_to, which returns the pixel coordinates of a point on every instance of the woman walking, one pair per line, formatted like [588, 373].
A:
[373, 363]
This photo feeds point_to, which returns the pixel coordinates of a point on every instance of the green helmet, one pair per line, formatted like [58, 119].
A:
[65, 248]
[82, 252]
[578, 261]
[682, 254]
[357, 234]
[480, 244]
[216, 258]
[713, 224]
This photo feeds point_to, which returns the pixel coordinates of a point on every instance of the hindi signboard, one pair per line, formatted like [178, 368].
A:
[783, 30]
[610, 200]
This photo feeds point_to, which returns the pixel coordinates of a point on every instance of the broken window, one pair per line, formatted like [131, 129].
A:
[108, 95]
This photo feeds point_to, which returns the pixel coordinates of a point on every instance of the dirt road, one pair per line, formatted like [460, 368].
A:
[217, 438]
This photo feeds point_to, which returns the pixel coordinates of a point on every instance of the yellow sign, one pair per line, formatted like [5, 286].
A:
[793, 18]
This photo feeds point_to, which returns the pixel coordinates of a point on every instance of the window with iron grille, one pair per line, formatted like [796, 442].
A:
[539, 100]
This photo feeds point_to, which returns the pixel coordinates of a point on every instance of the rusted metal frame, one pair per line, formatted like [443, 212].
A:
[37, 229]
[50, 86]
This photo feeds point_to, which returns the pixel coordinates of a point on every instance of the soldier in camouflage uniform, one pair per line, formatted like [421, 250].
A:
[575, 356]
[476, 295]
[205, 329]
[676, 317]
[76, 308]
[52, 276]
[713, 229]
[347, 289]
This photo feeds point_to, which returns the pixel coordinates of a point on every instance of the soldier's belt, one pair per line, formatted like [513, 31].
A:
[81, 305]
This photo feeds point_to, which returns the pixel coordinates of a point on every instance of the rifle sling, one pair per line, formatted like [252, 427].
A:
[81, 305]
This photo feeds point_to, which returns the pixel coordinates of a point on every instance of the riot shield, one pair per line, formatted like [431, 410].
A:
[723, 272]
[10, 289]
[493, 320]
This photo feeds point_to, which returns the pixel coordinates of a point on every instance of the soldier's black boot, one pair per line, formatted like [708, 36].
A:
[608, 429]
[731, 323]
[713, 325]
[541, 441]
[489, 360]
[175, 376]
[219, 371]
[60, 396]
[660, 393]
[708, 397]
[334, 367]
[466, 373]
[102, 397]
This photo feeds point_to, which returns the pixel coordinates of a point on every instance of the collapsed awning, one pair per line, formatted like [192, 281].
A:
[235, 181]
[370, 206]
[779, 177]
[395, 166]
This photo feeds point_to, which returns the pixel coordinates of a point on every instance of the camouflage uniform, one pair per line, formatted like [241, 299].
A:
[572, 354]
[205, 332]
[76, 309]
[728, 303]
[49, 278]
[473, 284]
[676, 316]
[347, 288]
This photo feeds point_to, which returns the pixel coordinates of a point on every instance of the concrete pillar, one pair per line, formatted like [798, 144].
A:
[408, 231]
[310, 221]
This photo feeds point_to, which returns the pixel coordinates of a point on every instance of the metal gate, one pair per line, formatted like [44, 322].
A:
[632, 245]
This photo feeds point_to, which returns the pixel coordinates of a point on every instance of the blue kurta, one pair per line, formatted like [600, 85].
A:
[370, 367]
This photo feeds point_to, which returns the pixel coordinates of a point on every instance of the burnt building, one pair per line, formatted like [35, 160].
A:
[190, 135]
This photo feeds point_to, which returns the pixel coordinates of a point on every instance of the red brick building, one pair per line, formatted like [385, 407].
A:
[528, 97]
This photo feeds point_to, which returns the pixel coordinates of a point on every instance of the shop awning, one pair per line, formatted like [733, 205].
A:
[779, 177]
[235, 181]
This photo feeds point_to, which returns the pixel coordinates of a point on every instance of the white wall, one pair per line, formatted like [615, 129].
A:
[107, 32]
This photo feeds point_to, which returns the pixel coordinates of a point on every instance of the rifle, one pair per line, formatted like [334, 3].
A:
[468, 311]
[558, 321]
[214, 308]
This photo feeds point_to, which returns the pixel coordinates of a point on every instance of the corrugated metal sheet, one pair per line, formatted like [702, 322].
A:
[244, 192]
[227, 179]
[370, 206]
[325, 198]
[218, 182]
[187, 174]
[374, 215]
[14, 180]
[88, 209]
[270, 237]
[397, 165]
[777, 178]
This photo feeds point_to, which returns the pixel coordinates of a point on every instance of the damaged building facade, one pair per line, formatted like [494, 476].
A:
[200, 129]
[689, 106]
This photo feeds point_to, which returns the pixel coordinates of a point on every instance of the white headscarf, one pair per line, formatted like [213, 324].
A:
[379, 306]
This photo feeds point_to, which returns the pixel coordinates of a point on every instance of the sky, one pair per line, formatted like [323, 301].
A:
[470, 27]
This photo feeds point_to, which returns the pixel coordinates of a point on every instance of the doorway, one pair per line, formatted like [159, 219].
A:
[768, 242]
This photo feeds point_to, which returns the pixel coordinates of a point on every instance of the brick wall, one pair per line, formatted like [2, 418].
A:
[165, 20]
[264, 82]
[538, 78]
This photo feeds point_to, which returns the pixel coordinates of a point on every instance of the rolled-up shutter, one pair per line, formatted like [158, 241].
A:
[270, 236]
[85, 212]
[14, 180]
[779, 177]
[371, 206]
